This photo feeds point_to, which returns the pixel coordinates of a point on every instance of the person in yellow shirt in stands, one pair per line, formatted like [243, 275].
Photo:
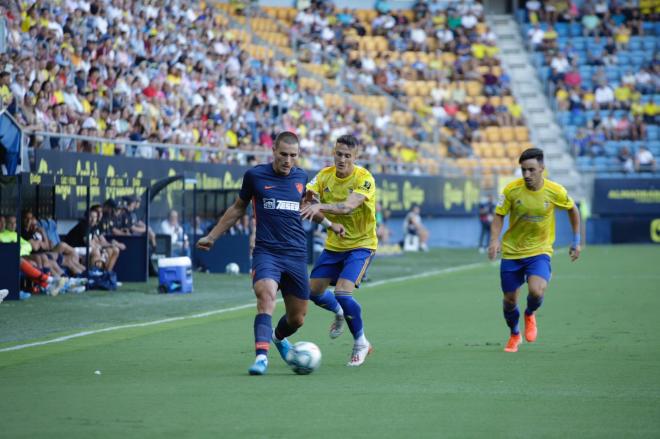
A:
[346, 194]
[526, 247]
[622, 95]
[6, 95]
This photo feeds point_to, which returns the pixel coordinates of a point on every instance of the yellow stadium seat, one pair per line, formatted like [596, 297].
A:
[498, 149]
[506, 134]
[492, 134]
[522, 134]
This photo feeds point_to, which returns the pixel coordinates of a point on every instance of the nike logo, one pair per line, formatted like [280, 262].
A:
[268, 187]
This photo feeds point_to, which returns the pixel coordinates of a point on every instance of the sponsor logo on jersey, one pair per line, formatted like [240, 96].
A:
[273, 204]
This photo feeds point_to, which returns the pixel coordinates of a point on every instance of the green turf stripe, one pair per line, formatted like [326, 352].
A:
[64, 338]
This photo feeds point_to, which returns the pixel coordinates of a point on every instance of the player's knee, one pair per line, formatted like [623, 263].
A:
[296, 321]
[510, 299]
[537, 291]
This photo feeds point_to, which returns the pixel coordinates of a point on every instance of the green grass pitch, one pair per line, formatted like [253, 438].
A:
[438, 369]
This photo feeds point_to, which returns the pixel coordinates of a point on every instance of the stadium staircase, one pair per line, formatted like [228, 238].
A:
[528, 90]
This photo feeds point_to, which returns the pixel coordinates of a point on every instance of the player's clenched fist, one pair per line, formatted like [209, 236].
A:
[205, 243]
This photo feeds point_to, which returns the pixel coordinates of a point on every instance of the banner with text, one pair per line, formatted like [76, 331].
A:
[120, 176]
[626, 196]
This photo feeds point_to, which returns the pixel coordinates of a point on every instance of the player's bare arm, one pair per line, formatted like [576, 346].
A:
[574, 218]
[344, 208]
[312, 198]
[495, 230]
[230, 217]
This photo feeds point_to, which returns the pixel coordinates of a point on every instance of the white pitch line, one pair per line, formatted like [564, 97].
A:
[234, 308]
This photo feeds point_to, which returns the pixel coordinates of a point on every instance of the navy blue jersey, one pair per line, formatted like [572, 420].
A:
[276, 201]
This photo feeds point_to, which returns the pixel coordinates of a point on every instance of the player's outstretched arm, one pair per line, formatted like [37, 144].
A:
[312, 198]
[343, 208]
[230, 217]
[495, 230]
[574, 218]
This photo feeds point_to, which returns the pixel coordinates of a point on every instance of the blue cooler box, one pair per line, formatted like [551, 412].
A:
[175, 275]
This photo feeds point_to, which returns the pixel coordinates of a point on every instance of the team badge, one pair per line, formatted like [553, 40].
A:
[299, 186]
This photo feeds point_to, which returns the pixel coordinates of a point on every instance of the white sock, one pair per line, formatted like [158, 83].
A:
[361, 340]
[339, 311]
[261, 357]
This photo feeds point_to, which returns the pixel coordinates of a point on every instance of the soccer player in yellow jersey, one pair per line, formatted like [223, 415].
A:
[345, 194]
[527, 244]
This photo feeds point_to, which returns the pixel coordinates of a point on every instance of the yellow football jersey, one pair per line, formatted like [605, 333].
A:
[360, 224]
[531, 229]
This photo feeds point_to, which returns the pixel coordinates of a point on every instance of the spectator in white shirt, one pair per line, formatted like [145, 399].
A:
[171, 227]
[604, 96]
[644, 160]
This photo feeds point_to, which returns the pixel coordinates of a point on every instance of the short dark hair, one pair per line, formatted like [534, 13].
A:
[531, 153]
[349, 140]
[286, 137]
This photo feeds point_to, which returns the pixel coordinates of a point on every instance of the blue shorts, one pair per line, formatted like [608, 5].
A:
[289, 273]
[350, 265]
[515, 272]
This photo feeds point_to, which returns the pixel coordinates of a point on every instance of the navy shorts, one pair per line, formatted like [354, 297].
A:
[350, 265]
[515, 272]
[290, 273]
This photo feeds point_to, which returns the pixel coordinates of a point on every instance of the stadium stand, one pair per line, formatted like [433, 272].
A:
[599, 62]
[174, 75]
[439, 60]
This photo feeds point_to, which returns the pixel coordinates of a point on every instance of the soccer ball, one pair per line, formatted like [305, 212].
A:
[232, 268]
[304, 357]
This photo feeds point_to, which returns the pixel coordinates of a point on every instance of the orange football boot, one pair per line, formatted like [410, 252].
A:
[530, 328]
[512, 344]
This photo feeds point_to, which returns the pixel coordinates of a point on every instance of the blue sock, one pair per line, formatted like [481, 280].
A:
[263, 329]
[352, 313]
[533, 303]
[283, 329]
[511, 315]
[326, 300]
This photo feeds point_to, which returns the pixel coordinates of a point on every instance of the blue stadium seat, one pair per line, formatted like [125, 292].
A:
[562, 29]
[578, 119]
[649, 27]
[584, 163]
[652, 132]
[576, 29]
[635, 43]
[563, 118]
[579, 43]
[654, 147]
[601, 164]
[649, 43]
[637, 59]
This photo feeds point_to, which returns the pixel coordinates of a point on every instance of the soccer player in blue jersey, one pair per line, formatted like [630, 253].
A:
[526, 246]
[279, 258]
[345, 193]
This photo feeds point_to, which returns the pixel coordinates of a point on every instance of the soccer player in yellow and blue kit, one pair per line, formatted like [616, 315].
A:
[527, 244]
[346, 194]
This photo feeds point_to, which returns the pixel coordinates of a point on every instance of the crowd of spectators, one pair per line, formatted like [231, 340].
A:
[600, 59]
[445, 45]
[174, 73]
